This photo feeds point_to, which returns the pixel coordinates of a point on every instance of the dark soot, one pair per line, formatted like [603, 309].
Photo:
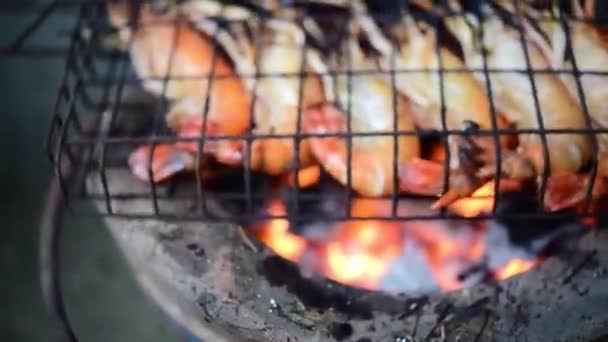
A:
[601, 9]
[341, 331]
[306, 207]
[315, 206]
[230, 190]
[314, 294]
[537, 223]
[601, 212]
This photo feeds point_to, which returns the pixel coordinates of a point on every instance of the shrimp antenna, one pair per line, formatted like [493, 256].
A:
[536, 34]
[366, 24]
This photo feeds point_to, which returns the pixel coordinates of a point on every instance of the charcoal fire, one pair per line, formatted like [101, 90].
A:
[414, 256]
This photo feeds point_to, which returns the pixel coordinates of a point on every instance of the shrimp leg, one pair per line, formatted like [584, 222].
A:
[167, 160]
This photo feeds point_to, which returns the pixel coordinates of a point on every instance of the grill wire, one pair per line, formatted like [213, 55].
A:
[90, 97]
[88, 94]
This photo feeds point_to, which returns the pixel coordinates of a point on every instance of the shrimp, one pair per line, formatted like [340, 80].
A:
[588, 12]
[277, 93]
[590, 54]
[372, 112]
[279, 97]
[567, 190]
[165, 45]
[513, 94]
[464, 98]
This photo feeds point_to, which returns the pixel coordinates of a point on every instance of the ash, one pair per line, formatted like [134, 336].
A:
[418, 271]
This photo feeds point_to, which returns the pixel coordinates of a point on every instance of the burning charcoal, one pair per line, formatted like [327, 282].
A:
[534, 227]
[413, 256]
[317, 207]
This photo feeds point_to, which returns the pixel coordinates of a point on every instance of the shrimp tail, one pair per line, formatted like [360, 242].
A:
[166, 161]
[225, 151]
[568, 190]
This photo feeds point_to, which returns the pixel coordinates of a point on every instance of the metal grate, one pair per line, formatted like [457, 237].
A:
[93, 124]
[101, 90]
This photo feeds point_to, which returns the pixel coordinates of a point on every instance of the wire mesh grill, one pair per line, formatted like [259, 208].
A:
[101, 109]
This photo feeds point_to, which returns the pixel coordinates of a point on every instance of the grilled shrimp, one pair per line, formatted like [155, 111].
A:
[372, 112]
[464, 98]
[590, 54]
[277, 93]
[515, 97]
[165, 45]
[279, 97]
[588, 12]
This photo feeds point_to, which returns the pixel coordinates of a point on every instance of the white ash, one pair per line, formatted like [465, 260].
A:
[412, 273]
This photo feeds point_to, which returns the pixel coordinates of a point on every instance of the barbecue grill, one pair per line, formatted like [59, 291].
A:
[93, 67]
[102, 114]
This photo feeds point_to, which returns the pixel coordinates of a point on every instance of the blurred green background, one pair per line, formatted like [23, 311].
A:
[103, 300]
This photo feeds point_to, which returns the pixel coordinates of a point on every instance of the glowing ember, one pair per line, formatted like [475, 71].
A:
[276, 235]
[359, 269]
[362, 252]
[514, 267]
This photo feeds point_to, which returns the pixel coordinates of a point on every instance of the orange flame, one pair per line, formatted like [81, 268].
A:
[513, 267]
[360, 252]
[276, 235]
[357, 268]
